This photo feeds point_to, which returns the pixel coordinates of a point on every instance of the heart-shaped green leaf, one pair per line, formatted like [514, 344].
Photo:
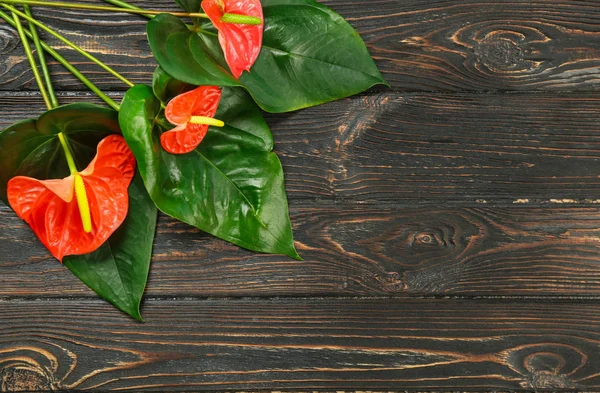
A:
[231, 186]
[118, 270]
[184, 54]
[165, 86]
[310, 56]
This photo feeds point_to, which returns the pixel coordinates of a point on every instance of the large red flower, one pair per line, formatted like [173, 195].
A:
[191, 113]
[53, 208]
[241, 43]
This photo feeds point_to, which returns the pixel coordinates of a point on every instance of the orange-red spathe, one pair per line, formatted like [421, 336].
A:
[50, 207]
[241, 43]
[185, 137]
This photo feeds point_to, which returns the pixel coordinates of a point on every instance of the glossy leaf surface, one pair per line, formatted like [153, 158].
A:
[230, 186]
[183, 53]
[117, 271]
[310, 55]
[165, 86]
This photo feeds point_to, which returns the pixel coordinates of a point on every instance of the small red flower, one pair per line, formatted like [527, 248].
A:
[191, 112]
[241, 43]
[59, 219]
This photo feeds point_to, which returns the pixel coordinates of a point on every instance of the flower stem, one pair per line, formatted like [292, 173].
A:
[123, 4]
[69, 43]
[42, 59]
[66, 64]
[103, 8]
[29, 54]
[68, 154]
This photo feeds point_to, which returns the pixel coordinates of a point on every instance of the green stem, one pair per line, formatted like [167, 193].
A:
[66, 64]
[42, 59]
[82, 201]
[69, 43]
[199, 30]
[103, 8]
[128, 6]
[29, 54]
[68, 154]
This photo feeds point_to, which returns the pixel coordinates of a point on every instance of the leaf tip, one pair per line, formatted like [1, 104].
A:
[294, 254]
[135, 314]
[139, 319]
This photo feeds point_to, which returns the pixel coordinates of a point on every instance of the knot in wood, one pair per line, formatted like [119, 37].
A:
[501, 53]
[25, 378]
[547, 371]
[546, 380]
[428, 239]
[392, 282]
[547, 365]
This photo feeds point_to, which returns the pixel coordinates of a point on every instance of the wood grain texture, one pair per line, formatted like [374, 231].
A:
[458, 149]
[465, 149]
[352, 251]
[451, 237]
[312, 344]
[419, 45]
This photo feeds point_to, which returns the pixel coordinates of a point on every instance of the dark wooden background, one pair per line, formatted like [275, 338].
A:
[450, 224]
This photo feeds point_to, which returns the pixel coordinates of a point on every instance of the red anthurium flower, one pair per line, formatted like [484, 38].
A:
[191, 112]
[241, 41]
[77, 214]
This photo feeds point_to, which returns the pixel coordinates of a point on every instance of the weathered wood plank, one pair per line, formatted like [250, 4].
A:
[392, 194]
[351, 250]
[301, 344]
[455, 148]
[419, 45]
[461, 149]
[482, 45]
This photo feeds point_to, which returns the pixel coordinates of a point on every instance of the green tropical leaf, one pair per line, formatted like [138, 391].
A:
[231, 186]
[310, 56]
[165, 86]
[183, 53]
[118, 270]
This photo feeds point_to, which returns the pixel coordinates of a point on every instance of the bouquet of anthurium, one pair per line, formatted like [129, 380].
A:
[89, 180]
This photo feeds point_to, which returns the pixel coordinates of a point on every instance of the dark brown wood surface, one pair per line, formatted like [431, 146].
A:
[451, 45]
[450, 224]
[426, 148]
[313, 344]
[350, 250]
